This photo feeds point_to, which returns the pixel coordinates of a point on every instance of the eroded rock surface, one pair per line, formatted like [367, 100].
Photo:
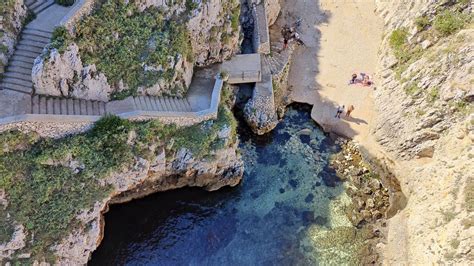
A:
[425, 122]
[11, 23]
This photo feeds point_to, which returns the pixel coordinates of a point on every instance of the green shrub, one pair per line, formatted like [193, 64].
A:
[59, 39]
[234, 19]
[433, 95]
[412, 89]
[191, 5]
[398, 38]
[64, 2]
[3, 48]
[449, 22]
[422, 22]
[45, 192]
[121, 40]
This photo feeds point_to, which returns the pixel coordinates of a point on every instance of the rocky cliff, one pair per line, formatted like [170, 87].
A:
[212, 30]
[425, 123]
[147, 177]
[55, 216]
[12, 16]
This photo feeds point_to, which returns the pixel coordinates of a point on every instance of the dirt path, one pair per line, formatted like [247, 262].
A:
[342, 37]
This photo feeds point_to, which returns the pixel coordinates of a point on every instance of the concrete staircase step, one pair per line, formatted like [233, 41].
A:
[77, 107]
[26, 54]
[70, 106]
[22, 64]
[30, 2]
[167, 104]
[34, 4]
[21, 58]
[17, 75]
[56, 106]
[15, 87]
[21, 70]
[20, 82]
[153, 103]
[38, 44]
[189, 108]
[174, 104]
[33, 49]
[36, 38]
[42, 6]
[37, 32]
[161, 103]
[35, 105]
[145, 104]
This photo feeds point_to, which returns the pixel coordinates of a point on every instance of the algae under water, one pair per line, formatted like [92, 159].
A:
[289, 209]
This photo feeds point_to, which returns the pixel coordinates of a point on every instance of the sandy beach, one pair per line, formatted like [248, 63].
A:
[342, 38]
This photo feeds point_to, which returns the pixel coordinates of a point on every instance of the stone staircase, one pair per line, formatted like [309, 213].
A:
[48, 105]
[38, 6]
[162, 104]
[275, 62]
[18, 73]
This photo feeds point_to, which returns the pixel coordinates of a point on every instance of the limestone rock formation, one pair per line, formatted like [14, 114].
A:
[64, 75]
[260, 112]
[425, 121]
[11, 23]
[214, 32]
[147, 177]
[163, 170]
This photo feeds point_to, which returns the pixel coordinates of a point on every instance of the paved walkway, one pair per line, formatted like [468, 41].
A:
[17, 97]
[342, 38]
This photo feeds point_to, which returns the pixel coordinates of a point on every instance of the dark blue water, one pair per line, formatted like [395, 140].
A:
[288, 210]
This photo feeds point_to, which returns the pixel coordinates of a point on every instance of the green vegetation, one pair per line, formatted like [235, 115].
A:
[234, 18]
[402, 50]
[49, 182]
[60, 39]
[126, 44]
[412, 89]
[398, 38]
[6, 11]
[449, 22]
[64, 2]
[433, 95]
[422, 22]
[30, 16]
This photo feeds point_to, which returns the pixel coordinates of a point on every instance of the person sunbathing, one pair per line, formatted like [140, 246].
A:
[366, 81]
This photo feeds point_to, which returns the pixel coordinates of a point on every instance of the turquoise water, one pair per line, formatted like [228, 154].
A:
[288, 210]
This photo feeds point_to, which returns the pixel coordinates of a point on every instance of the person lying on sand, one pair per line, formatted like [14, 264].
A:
[366, 81]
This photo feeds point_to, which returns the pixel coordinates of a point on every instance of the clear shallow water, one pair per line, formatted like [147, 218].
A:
[285, 212]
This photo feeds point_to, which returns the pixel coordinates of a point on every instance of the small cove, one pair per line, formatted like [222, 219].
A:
[289, 209]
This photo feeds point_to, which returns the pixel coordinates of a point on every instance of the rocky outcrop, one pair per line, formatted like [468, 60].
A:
[145, 178]
[260, 111]
[214, 33]
[64, 75]
[12, 15]
[163, 170]
[424, 121]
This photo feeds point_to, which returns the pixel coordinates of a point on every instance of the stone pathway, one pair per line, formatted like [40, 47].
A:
[37, 6]
[17, 96]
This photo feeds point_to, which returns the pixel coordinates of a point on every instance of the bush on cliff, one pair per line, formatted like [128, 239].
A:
[49, 182]
[449, 22]
[138, 47]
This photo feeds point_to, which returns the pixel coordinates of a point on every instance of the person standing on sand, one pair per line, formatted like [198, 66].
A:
[340, 110]
[349, 110]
